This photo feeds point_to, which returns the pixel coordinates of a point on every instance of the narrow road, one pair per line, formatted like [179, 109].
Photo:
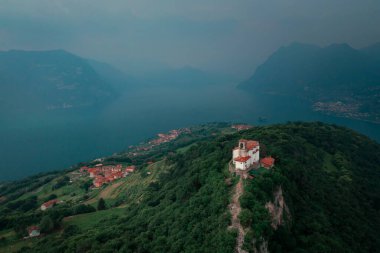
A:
[235, 211]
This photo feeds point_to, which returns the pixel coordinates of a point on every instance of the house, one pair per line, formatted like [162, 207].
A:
[99, 181]
[93, 172]
[241, 127]
[83, 169]
[267, 162]
[49, 204]
[130, 168]
[34, 231]
[118, 175]
[246, 154]
[110, 178]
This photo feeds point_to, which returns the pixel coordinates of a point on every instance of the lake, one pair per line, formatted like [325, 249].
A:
[58, 139]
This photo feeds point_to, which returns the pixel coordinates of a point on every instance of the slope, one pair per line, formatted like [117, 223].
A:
[325, 182]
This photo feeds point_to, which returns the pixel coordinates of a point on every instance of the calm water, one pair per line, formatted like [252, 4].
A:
[35, 143]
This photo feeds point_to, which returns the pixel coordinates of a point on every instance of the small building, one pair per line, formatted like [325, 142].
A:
[267, 162]
[83, 169]
[49, 204]
[110, 178]
[118, 175]
[130, 168]
[99, 181]
[242, 162]
[241, 127]
[246, 154]
[93, 172]
[34, 231]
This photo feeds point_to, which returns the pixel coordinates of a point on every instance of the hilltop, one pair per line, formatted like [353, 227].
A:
[337, 80]
[321, 196]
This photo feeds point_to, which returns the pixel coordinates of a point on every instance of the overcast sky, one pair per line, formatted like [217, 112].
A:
[230, 36]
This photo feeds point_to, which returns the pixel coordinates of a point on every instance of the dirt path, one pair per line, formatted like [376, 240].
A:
[235, 211]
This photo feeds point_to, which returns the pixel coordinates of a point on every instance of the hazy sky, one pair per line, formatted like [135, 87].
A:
[232, 36]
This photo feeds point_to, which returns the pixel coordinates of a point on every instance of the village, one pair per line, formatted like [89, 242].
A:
[241, 127]
[162, 138]
[245, 160]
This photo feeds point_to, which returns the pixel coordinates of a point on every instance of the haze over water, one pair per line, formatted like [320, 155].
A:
[58, 139]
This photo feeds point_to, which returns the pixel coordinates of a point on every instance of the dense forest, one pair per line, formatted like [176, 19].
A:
[329, 177]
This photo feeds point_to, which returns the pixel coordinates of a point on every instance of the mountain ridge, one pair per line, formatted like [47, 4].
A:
[337, 79]
[48, 80]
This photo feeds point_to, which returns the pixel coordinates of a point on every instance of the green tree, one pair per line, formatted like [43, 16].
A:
[20, 231]
[86, 185]
[47, 224]
[101, 204]
[70, 230]
[84, 209]
[51, 196]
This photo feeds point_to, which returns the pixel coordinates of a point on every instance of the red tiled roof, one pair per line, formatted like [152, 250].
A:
[267, 161]
[250, 144]
[32, 228]
[242, 158]
[130, 168]
[50, 203]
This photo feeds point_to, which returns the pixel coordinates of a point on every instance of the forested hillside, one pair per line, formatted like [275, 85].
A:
[178, 199]
[330, 177]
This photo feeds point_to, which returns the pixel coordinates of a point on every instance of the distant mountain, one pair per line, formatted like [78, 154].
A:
[185, 77]
[373, 50]
[50, 80]
[337, 79]
[119, 80]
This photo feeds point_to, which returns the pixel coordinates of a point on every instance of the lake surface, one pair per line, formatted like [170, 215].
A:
[55, 140]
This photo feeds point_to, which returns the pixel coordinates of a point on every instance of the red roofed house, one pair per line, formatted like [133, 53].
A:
[246, 154]
[110, 178]
[93, 172]
[118, 174]
[49, 204]
[83, 169]
[241, 127]
[33, 231]
[267, 162]
[130, 168]
[99, 181]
